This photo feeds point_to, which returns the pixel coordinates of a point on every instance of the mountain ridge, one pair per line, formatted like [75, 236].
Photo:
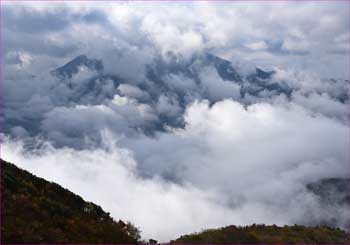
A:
[260, 233]
[37, 211]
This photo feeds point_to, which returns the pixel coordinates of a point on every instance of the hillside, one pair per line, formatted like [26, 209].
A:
[37, 211]
[255, 234]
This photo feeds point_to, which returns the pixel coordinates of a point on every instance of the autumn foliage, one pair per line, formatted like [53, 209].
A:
[37, 211]
[268, 234]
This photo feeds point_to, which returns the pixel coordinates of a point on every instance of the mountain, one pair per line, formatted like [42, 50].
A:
[100, 85]
[73, 66]
[37, 211]
[332, 194]
[157, 74]
[166, 86]
[332, 190]
[256, 234]
[181, 81]
[253, 83]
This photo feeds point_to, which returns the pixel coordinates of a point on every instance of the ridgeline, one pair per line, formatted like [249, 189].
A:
[273, 234]
[37, 211]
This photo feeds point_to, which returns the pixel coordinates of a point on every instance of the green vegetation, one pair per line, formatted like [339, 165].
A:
[37, 211]
[268, 234]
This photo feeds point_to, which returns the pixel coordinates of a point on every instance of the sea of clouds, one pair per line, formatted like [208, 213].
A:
[182, 150]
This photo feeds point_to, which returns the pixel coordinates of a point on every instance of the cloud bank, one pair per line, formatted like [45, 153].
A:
[201, 175]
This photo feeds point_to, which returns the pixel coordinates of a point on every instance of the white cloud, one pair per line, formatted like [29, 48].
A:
[236, 166]
[188, 28]
[132, 91]
[261, 45]
[322, 103]
[215, 87]
[168, 106]
[108, 177]
[72, 126]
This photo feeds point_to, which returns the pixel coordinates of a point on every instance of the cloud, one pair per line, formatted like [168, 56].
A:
[132, 91]
[249, 165]
[72, 126]
[216, 137]
[322, 103]
[215, 87]
[102, 176]
[261, 45]
[226, 29]
[168, 106]
[251, 156]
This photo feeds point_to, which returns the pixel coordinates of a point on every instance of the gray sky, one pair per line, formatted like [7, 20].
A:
[311, 36]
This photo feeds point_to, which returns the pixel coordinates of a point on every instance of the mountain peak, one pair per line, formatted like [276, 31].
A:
[72, 67]
[263, 74]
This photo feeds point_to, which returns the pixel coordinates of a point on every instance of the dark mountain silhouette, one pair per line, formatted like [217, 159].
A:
[37, 211]
[72, 67]
[332, 190]
[159, 69]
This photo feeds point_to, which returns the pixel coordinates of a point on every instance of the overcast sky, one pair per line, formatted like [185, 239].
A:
[308, 35]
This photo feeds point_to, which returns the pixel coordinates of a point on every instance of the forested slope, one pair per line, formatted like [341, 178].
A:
[268, 234]
[37, 211]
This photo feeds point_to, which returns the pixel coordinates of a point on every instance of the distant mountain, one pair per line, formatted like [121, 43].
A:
[73, 66]
[332, 194]
[252, 83]
[102, 85]
[256, 234]
[332, 190]
[159, 70]
[224, 68]
[37, 211]
[166, 86]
